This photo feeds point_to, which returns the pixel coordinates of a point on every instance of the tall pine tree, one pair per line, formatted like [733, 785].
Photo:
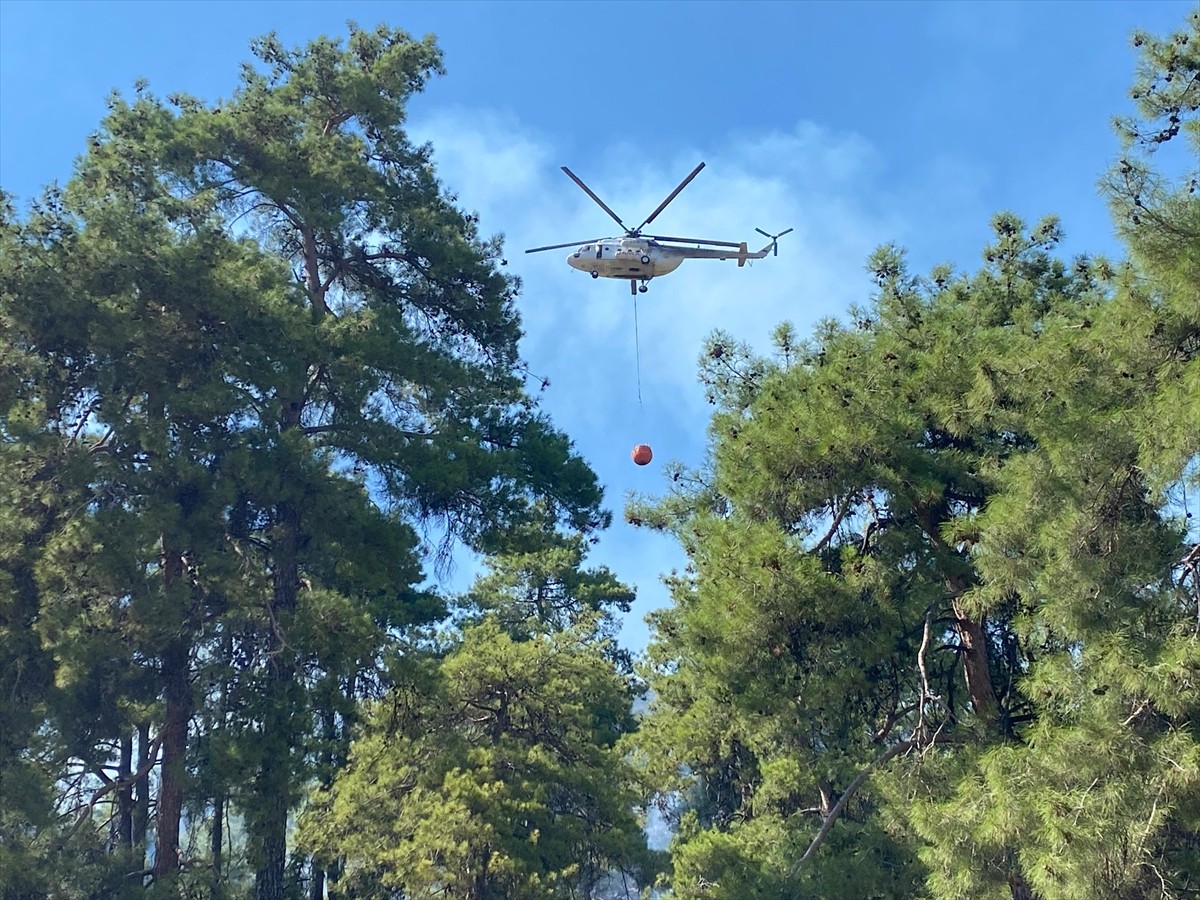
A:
[938, 632]
[263, 344]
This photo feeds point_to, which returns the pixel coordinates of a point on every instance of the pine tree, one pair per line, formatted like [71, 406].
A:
[114, 386]
[831, 613]
[251, 450]
[493, 772]
[494, 767]
[937, 635]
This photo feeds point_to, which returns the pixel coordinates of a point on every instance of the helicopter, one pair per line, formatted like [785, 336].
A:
[640, 257]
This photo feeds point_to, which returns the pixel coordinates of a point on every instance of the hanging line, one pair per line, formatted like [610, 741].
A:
[637, 351]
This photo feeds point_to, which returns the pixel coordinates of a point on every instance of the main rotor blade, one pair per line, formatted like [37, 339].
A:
[670, 197]
[587, 190]
[681, 240]
[560, 246]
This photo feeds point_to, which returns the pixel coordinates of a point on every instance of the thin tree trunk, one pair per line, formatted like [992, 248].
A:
[273, 781]
[316, 885]
[1020, 888]
[178, 712]
[174, 749]
[218, 834]
[141, 800]
[219, 798]
[125, 796]
[330, 734]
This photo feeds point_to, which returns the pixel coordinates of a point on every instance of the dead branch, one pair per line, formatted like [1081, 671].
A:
[893, 717]
[839, 515]
[100, 793]
[849, 793]
[852, 789]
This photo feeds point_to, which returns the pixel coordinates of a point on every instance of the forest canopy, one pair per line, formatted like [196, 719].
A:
[939, 631]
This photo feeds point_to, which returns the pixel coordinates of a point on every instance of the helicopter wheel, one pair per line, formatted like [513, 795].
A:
[642, 289]
[595, 274]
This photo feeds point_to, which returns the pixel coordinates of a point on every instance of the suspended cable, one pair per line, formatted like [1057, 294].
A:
[637, 350]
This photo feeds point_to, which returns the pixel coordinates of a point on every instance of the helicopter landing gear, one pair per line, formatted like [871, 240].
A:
[635, 288]
[642, 289]
[595, 274]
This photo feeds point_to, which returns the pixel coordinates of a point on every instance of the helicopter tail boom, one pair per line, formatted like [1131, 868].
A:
[744, 254]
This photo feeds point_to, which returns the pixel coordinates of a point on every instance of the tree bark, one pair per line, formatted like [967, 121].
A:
[273, 781]
[141, 799]
[271, 840]
[125, 795]
[178, 713]
[977, 670]
[174, 749]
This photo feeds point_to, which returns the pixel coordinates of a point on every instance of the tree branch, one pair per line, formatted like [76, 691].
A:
[100, 793]
[848, 794]
[841, 513]
[850, 791]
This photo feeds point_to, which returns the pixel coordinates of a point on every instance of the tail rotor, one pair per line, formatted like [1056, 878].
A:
[774, 239]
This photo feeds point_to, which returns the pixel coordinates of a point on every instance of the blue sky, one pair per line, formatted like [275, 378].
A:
[854, 123]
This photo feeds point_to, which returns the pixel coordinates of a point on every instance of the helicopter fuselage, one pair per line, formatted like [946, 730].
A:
[639, 257]
[633, 258]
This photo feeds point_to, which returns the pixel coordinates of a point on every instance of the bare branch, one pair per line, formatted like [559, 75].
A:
[893, 717]
[848, 794]
[925, 693]
[842, 511]
[100, 793]
[835, 813]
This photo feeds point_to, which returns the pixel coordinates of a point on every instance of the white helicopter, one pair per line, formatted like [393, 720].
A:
[640, 257]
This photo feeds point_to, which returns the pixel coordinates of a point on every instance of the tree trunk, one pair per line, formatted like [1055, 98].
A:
[273, 782]
[1020, 888]
[329, 733]
[141, 800]
[977, 670]
[271, 840]
[174, 749]
[479, 884]
[176, 716]
[218, 835]
[316, 885]
[125, 796]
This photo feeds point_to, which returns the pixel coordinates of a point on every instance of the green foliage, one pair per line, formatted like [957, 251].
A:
[1157, 209]
[539, 583]
[929, 531]
[937, 635]
[243, 353]
[493, 772]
